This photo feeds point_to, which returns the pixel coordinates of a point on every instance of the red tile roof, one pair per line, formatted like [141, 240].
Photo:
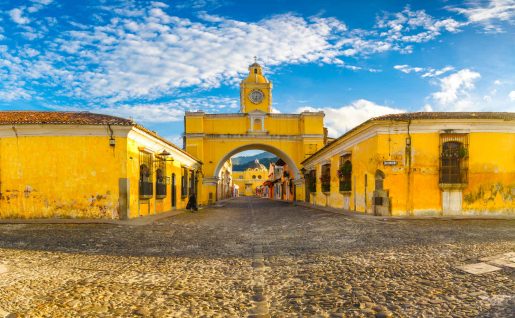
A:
[447, 115]
[75, 118]
[66, 118]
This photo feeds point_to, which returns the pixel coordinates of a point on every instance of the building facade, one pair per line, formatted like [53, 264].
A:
[250, 179]
[415, 164]
[215, 138]
[226, 186]
[84, 165]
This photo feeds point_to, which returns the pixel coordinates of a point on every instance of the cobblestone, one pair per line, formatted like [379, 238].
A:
[254, 257]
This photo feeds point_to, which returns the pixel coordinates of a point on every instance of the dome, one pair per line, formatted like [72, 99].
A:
[255, 74]
[256, 165]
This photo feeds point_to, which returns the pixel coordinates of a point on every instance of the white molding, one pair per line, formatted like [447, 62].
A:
[37, 130]
[156, 145]
[416, 127]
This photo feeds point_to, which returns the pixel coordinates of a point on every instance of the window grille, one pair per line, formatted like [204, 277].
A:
[345, 173]
[161, 179]
[192, 181]
[146, 186]
[326, 178]
[311, 180]
[454, 159]
[184, 182]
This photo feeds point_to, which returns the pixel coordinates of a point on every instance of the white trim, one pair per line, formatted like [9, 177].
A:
[416, 127]
[156, 146]
[38, 130]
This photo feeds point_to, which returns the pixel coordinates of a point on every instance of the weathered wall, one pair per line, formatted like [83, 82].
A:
[68, 176]
[413, 182]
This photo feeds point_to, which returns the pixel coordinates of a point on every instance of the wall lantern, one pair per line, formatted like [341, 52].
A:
[164, 155]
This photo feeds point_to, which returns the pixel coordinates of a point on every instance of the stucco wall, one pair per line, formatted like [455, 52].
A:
[60, 176]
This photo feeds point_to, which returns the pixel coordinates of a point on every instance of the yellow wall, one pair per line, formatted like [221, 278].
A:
[69, 176]
[63, 175]
[242, 178]
[414, 188]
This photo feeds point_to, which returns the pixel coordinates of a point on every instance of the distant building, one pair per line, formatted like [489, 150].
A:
[429, 163]
[225, 186]
[250, 179]
[84, 165]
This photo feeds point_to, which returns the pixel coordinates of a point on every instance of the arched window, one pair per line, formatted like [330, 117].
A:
[161, 181]
[254, 177]
[259, 177]
[452, 163]
[345, 173]
[145, 175]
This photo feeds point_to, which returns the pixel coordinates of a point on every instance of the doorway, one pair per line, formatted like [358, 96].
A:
[174, 190]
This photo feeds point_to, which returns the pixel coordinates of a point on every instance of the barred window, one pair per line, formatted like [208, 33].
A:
[326, 177]
[453, 158]
[184, 182]
[145, 175]
[345, 173]
[161, 179]
[192, 182]
[311, 180]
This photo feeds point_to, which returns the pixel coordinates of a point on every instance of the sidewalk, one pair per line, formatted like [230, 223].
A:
[138, 221]
[377, 217]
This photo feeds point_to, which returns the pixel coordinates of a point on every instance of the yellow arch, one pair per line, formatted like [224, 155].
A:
[258, 146]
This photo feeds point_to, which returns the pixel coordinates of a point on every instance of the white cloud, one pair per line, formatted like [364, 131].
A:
[407, 69]
[414, 26]
[153, 55]
[17, 16]
[172, 111]
[9, 93]
[428, 71]
[489, 14]
[342, 119]
[511, 95]
[456, 87]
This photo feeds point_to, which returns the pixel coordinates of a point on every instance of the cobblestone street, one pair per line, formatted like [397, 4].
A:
[254, 257]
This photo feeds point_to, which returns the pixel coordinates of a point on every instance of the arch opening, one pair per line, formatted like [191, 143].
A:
[271, 149]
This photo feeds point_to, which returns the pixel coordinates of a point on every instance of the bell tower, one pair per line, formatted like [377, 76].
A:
[255, 91]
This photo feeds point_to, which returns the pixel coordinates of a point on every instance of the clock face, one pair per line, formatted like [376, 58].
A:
[256, 96]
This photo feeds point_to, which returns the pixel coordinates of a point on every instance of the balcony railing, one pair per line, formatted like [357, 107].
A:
[146, 189]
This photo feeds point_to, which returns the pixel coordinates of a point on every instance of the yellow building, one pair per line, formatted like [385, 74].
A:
[251, 178]
[226, 186]
[415, 164]
[84, 165]
[214, 138]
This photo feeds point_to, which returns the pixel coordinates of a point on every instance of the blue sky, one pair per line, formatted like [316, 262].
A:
[354, 60]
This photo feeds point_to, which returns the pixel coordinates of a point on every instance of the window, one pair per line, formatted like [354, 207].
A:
[453, 159]
[161, 179]
[311, 180]
[259, 177]
[241, 177]
[192, 182]
[184, 182]
[145, 175]
[257, 125]
[253, 177]
[326, 177]
[345, 173]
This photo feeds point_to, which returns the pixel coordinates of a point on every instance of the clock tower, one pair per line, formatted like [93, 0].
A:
[255, 91]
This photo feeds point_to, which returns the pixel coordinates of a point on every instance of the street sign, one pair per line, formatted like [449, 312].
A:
[390, 163]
